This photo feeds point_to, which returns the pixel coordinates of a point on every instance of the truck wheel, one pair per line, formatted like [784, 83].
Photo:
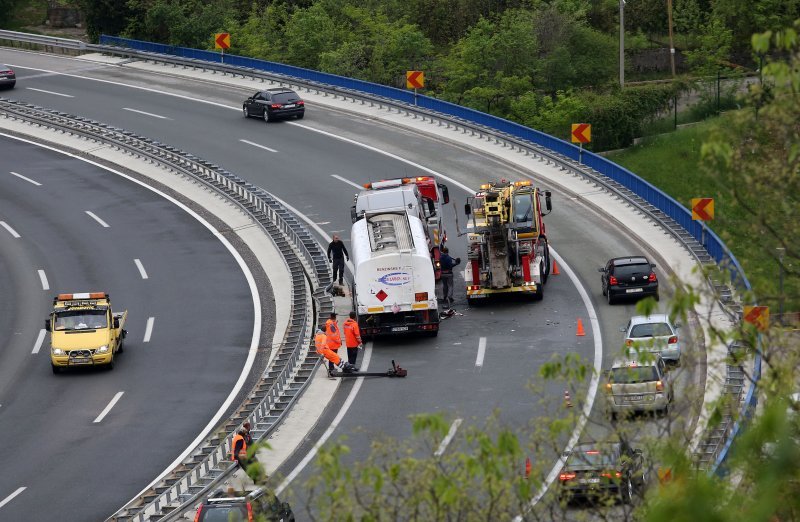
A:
[546, 272]
[121, 347]
[56, 369]
[110, 366]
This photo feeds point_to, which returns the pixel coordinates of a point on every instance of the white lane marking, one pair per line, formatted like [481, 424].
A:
[356, 185]
[481, 352]
[251, 283]
[11, 496]
[94, 216]
[593, 383]
[140, 266]
[447, 438]
[351, 397]
[39, 341]
[50, 92]
[148, 330]
[43, 279]
[111, 404]
[29, 180]
[259, 146]
[145, 113]
[10, 230]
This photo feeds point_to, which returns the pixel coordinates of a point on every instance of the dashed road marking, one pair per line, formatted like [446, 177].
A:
[107, 409]
[481, 352]
[148, 330]
[447, 438]
[29, 180]
[94, 216]
[39, 341]
[351, 183]
[43, 279]
[140, 266]
[11, 496]
[259, 146]
[10, 230]
[145, 113]
[50, 92]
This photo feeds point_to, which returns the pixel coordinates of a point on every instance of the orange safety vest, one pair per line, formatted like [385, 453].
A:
[352, 333]
[320, 340]
[332, 331]
[237, 438]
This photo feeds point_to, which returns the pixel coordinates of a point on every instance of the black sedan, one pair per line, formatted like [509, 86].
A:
[603, 470]
[7, 76]
[273, 104]
[628, 277]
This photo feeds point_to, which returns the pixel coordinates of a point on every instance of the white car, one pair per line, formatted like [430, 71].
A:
[654, 333]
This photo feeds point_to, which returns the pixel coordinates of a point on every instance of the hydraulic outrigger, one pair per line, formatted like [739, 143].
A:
[394, 371]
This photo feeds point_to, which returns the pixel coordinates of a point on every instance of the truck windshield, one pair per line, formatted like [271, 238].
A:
[81, 320]
[523, 208]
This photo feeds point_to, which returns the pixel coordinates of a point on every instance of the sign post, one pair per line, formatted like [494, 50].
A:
[703, 210]
[222, 41]
[415, 80]
[581, 133]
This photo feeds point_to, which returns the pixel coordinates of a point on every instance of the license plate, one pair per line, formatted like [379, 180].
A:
[80, 360]
[634, 398]
[633, 290]
[289, 106]
[594, 480]
[400, 329]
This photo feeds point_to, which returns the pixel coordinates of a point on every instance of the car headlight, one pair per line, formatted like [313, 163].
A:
[58, 351]
[102, 349]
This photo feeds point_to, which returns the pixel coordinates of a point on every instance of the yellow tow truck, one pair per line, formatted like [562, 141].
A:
[84, 331]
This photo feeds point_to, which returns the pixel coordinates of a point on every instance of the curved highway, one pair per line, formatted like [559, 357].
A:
[312, 168]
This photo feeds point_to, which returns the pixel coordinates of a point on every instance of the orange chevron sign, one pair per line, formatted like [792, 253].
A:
[702, 209]
[758, 316]
[415, 79]
[581, 133]
[222, 41]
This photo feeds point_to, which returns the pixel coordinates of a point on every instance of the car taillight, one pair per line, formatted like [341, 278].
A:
[652, 277]
[612, 280]
[301, 102]
[420, 296]
[249, 512]
[659, 386]
[563, 477]
[609, 475]
[197, 515]
[673, 339]
[276, 106]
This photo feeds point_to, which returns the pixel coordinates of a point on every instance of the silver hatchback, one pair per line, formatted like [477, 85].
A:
[639, 385]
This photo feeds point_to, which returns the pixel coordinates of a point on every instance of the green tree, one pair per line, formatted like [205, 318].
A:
[309, 33]
[105, 17]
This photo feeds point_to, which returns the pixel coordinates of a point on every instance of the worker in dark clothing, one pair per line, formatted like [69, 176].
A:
[248, 437]
[447, 263]
[337, 253]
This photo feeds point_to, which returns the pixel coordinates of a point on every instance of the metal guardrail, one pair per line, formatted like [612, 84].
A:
[701, 242]
[294, 363]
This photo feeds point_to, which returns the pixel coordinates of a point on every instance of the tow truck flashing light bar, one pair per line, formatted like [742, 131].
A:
[385, 183]
[525, 183]
[74, 297]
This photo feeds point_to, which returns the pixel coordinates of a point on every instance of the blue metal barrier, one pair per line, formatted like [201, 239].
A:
[713, 244]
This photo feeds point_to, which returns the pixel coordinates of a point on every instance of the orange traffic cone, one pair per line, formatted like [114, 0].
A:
[567, 399]
[580, 332]
[556, 271]
[527, 467]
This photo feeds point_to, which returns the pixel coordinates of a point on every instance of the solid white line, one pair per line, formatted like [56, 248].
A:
[481, 351]
[449, 437]
[145, 113]
[259, 146]
[94, 216]
[148, 330]
[251, 283]
[140, 266]
[356, 185]
[50, 92]
[29, 180]
[10, 230]
[39, 341]
[351, 397]
[108, 408]
[43, 279]
[11, 496]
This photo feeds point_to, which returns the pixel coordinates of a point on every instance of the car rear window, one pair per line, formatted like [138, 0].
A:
[651, 330]
[224, 514]
[631, 270]
[285, 97]
[634, 374]
[593, 458]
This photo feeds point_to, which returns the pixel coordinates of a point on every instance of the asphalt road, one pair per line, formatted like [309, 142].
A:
[298, 162]
[51, 441]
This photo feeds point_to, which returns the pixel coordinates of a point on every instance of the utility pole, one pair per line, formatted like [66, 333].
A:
[621, 43]
[781, 252]
[671, 41]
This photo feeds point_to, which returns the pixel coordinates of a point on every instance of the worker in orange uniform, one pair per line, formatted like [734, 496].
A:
[334, 337]
[239, 448]
[321, 343]
[352, 338]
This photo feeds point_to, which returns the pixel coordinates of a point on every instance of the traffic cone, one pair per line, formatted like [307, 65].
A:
[580, 332]
[556, 271]
[567, 399]
[527, 467]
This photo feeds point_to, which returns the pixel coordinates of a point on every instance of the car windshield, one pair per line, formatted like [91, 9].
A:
[651, 330]
[593, 457]
[81, 320]
[623, 271]
[223, 514]
[285, 97]
[633, 374]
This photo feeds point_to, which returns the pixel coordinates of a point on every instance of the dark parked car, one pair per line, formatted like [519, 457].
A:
[7, 76]
[273, 104]
[222, 508]
[598, 469]
[629, 277]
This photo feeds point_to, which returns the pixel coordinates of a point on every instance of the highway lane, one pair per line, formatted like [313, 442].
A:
[54, 440]
[308, 159]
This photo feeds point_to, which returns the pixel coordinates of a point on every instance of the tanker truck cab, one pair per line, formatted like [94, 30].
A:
[84, 331]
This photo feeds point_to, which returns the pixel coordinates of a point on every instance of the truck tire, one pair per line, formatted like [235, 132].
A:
[56, 369]
[121, 347]
[546, 271]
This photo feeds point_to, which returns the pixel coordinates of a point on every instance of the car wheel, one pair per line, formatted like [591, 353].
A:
[627, 491]
[245, 111]
[110, 366]
[609, 298]
[656, 297]
[603, 287]
[300, 116]
[56, 369]
[267, 117]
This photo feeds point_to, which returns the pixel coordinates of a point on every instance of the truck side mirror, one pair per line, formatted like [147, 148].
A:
[353, 215]
[547, 202]
[47, 324]
[467, 209]
[445, 193]
[116, 322]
